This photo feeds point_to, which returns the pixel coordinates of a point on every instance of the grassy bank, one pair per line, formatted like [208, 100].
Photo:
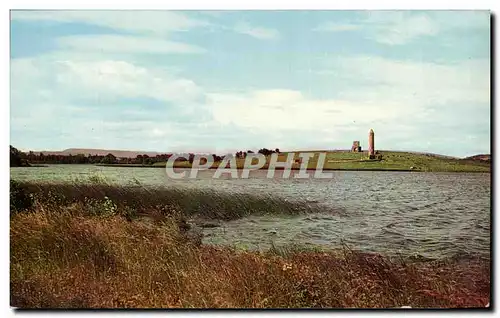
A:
[134, 200]
[391, 161]
[97, 246]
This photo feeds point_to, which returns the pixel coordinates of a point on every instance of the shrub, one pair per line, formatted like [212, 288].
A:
[20, 198]
[102, 208]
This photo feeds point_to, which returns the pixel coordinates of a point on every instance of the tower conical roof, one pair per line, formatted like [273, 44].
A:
[371, 131]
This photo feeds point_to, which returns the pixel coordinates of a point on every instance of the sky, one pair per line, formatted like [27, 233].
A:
[221, 81]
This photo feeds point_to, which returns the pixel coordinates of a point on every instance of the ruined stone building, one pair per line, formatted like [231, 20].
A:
[355, 146]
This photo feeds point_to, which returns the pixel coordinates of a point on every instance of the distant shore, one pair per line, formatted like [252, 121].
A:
[292, 168]
[264, 169]
[350, 161]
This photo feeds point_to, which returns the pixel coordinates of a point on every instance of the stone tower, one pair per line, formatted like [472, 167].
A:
[371, 144]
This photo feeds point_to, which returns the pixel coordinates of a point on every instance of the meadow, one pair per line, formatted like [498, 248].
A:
[391, 161]
[105, 246]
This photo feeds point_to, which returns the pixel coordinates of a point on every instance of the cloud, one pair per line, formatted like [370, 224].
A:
[107, 91]
[397, 98]
[410, 82]
[151, 22]
[82, 103]
[124, 44]
[119, 78]
[418, 102]
[337, 27]
[289, 110]
[88, 98]
[256, 32]
[402, 27]
[66, 87]
[408, 102]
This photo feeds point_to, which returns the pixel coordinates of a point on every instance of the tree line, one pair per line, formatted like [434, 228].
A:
[19, 158]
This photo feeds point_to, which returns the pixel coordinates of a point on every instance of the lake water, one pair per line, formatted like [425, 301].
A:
[433, 215]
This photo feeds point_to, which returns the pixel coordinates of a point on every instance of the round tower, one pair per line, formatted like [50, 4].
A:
[371, 144]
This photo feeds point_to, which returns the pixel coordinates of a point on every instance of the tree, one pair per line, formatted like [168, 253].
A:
[15, 157]
[108, 159]
[80, 158]
[240, 154]
[266, 152]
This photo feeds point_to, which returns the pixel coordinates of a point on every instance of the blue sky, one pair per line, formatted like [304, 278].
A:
[221, 81]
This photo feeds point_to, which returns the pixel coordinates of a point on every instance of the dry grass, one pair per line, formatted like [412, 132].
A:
[66, 255]
[208, 204]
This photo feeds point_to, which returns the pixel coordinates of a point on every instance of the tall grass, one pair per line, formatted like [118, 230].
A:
[205, 203]
[65, 254]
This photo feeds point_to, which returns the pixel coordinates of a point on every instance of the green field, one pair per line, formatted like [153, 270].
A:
[391, 161]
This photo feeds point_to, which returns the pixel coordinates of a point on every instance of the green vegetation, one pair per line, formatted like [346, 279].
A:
[208, 204]
[390, 161]
[335, 160]
[37, 159]
[17, 159]
[97, 246]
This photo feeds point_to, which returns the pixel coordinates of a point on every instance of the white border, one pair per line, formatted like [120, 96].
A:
[192, 5]
[258, 5]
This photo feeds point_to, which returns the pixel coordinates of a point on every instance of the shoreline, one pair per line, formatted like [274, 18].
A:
[333, 161]
[296, 168]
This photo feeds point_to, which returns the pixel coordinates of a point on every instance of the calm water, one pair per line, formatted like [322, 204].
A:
[434, 215]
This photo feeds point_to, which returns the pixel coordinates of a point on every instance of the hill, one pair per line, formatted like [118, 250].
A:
[100, 152]
[390, 161]
[482, 157]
